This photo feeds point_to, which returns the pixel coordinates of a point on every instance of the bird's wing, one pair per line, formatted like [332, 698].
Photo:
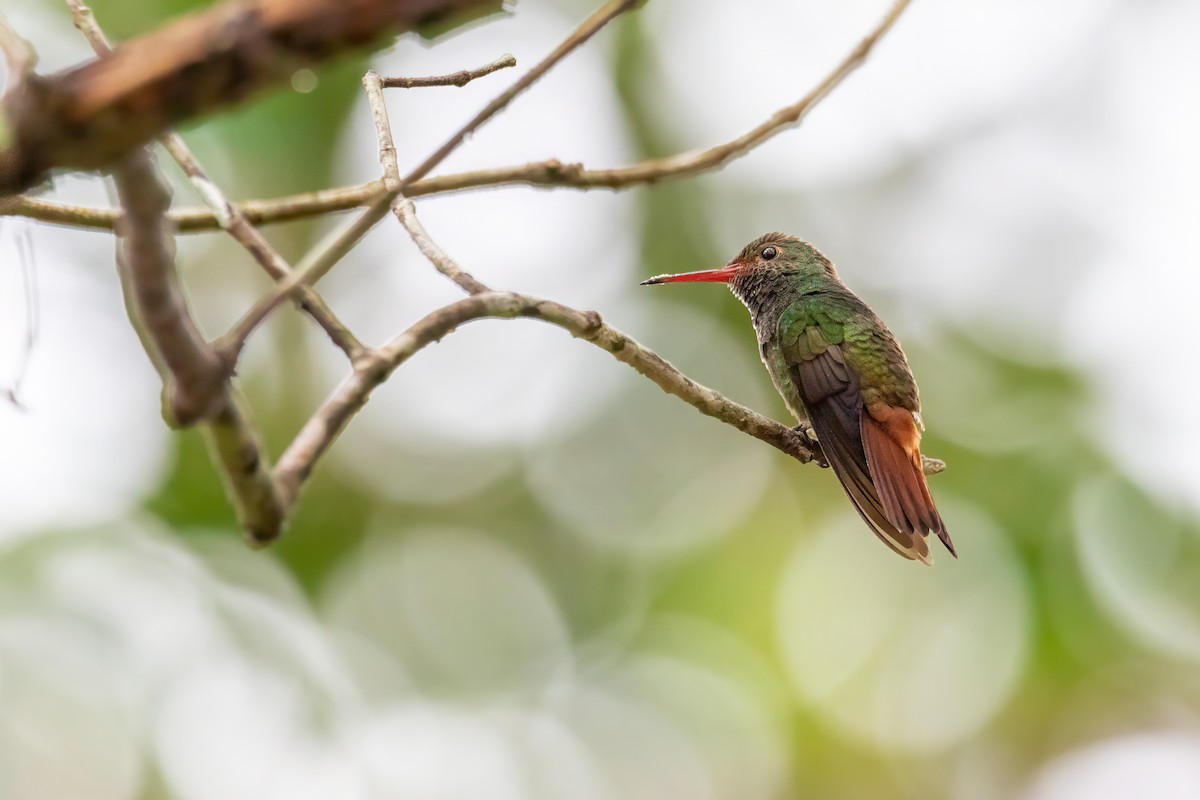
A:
[833, 399]
[891, 442]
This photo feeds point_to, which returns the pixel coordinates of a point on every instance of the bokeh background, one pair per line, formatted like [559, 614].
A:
[525, 572]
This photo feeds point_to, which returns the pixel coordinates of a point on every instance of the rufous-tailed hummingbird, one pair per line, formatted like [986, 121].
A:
[840, 369]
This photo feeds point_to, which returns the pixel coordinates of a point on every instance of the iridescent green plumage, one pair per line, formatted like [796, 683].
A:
[838, 366]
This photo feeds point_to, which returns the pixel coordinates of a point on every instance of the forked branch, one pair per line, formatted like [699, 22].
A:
[196, 379]
[228, 216]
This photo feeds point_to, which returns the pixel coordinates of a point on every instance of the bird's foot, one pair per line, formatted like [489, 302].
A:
[810, 440]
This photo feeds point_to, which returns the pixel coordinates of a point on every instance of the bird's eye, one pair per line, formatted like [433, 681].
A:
[768, 253]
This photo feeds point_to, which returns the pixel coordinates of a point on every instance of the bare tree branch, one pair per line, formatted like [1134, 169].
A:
[324, 427]
[197, 373]
[407, 214]
[373, 85]
[240, 457]
[228, 216]
[549, 174]
[194, 373]
[196, 378]
[460, 78]
[403, 207]
[328, 253]
[89, 116]
[590, 26]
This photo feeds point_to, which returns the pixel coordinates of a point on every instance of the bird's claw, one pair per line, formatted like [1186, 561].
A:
[810, 440]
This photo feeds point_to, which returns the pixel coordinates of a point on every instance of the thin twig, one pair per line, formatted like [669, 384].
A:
[311, 269]
[373, 85]
[460, 78]
[403, 207]
[228, 216]
[85, 23]
[592, 25]
[407, 214]
[324, 427]
[549, 174]
[329, 252]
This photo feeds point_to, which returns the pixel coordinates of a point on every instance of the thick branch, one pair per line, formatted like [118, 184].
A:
[194, 373]
[89, 116]
[228, 215]
[196, 378]
[241, 461]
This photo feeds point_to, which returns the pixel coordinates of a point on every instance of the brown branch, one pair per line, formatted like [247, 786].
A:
[228, 215]
[89, 116]
[589, 28]
[328, 253]
[245, 472]
[323, 428]
[407, 214]
[196, 378]
[262, 497]
[194, 373]
[460, 78]
[249, 237]
[373, 84]
[403, 207]
[549, 174]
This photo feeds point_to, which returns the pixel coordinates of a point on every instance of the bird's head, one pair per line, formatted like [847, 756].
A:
[770, 256]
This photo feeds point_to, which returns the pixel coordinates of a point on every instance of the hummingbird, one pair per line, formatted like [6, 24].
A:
[843, 375]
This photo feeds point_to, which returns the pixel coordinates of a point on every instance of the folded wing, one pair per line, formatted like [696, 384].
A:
[876, 460]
